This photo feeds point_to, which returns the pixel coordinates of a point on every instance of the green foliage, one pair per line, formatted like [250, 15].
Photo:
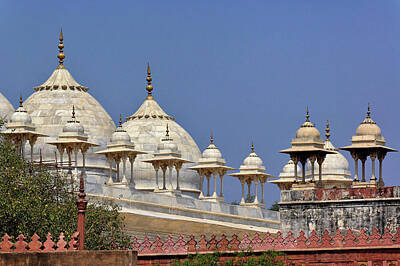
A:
[274, 206]
[268, 258]
[34, 200]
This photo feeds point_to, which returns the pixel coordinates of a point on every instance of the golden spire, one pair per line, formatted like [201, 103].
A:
[307, 116]
[120, 120]
[327, 134]
[212, 138]
[73, 111]
[369, 112]
[20, 100]
[61, 55]
[149, 87]
[252, 147]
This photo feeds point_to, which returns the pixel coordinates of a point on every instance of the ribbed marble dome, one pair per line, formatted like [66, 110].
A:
[211, 152]
[307, 129]
[120, 136]
[146, 128]
[6, 108]
[288, 169]
[21, 115]
[50, 108]
[252, 160]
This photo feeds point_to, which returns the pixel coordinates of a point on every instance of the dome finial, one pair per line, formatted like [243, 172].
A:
[149, 87]
[212, 138]
[252, 147]
[327, 130]
[20, 100]
[73, 111]
[120, 120]
[167, 132]
[369, 112]
[307, 116]
[61, 55]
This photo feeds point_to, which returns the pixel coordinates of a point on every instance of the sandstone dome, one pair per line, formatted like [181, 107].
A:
[146, 128]
[50, 108]
[6, 108]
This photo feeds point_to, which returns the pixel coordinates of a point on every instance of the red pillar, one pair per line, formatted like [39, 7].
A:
[81, 203]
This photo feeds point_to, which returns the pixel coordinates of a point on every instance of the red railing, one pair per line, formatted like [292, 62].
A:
[36, 246]
[343, 240]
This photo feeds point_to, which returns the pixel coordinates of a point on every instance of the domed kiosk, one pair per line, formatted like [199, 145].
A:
[335, 168]
[146, 128]
[50, 109]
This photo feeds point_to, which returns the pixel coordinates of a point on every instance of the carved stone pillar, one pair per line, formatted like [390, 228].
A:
[295, 160]
[363, 158]
[201, 196]
[178, 167]
[124, 159]
[381, 156]
[132, 180]
[354, 155]
[373, 157]
[164, 170]
[221, 190]
[320, 160]
[313, 158]
[303, 161]
[215, 174]
[208, 176]
[110, 163]
[256, 191]
[242, 201]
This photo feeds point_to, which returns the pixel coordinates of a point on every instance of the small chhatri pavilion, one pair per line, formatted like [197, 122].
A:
[368, 142]
[211, 163]
[120, 148]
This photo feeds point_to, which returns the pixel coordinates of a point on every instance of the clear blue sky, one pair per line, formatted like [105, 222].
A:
[245, 70]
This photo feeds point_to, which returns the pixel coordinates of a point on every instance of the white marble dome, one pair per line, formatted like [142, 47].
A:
[335, 168]
[146, 128]
[253, 161]
[21, 116]
[288, 170]
[120, 136]
[50, 108]
[6, 108]
[212, 152]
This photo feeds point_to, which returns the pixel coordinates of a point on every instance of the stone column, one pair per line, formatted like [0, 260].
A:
[373, 157]
[164, 169]
[110, 162]
[355, 157]
[221, 189]
[69, 153]
[156, 166]
[242, 202]
[248, 181]
[117, 162]
[256, 191]
[132, 161]
[178, 166]
[201, 196]
[363, 158]
[208, 176]
[295, 160]
[303, 161]
[262, 191]
[214, 195]
[84, 150]
[381, 156]
[170, 167]
[32, 141]
[320, 160]
[76, 151]
[124, 180]
[61, 152]
[313, 158]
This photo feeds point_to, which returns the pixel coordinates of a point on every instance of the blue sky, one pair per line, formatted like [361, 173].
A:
[245, 70]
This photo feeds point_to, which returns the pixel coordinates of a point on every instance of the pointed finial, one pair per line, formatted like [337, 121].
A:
[167, 132]
[149, 87]
[369, 112]
[20, 100]
[327, 134]
[61, 55]
[120, 120]
[307, 116]
[252, 147]
[73, 111]
[212, 138]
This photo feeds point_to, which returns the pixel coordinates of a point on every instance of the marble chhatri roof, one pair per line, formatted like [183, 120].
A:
[150, 110]
[61, 79]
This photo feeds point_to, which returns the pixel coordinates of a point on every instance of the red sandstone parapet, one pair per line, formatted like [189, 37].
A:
[340, 240]
[36, 246]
